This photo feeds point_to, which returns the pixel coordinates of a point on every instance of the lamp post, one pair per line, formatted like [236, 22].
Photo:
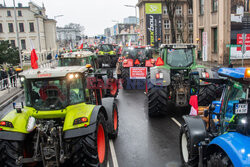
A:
[17, 36]
[132, 6]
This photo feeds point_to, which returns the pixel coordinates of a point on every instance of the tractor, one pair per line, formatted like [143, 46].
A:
[83, 58]
[133, 66]
[106, 54]
[65, 121]
[220, 134]
[175, 77]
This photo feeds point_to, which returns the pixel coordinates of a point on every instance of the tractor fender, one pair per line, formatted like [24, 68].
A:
[108, 104]
[160, 82]
[197, 130]
[13, 136]
[203, 74]
[235, 145]
[72, 133]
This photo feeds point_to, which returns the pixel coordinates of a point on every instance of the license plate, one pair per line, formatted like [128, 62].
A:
[241, 109]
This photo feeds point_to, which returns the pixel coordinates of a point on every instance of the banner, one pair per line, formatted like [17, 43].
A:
[153, 23]
[240, 41]
[204, 46]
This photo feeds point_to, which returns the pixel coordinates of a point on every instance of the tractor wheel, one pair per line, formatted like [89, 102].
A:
[157, 101]
[10, 151]
[114, 127]
[207, 94]
[188, 158]
[125, 77]
[219, 159]
[92, 149]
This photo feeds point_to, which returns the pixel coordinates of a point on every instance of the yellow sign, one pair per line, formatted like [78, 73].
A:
[153, 8]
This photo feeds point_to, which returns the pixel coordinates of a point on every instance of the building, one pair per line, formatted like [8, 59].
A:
[34, 28]
[131, 20]
[216, 25]
[155, 23]
[68, 36]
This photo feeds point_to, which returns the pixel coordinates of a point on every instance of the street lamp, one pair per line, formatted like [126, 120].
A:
[58, 16]
[132, 6]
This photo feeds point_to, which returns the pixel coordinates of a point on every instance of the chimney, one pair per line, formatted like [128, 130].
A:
[20, 5]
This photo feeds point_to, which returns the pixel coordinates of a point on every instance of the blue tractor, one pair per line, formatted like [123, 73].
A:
[220, 135]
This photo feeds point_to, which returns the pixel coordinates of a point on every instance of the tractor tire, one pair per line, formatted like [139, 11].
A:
[114, 128]
[157, 101]
[92, 149]
[125, 77]
[219, 159]
[10, 151]
[188, 158]
[206, 95]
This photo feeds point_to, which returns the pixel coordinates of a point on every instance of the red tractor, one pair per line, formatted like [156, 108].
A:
[133, 66]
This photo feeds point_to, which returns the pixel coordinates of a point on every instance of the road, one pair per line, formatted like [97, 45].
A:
[142, 141]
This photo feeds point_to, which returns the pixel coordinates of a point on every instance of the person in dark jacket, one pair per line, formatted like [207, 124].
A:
[5, 78]
[12, 75]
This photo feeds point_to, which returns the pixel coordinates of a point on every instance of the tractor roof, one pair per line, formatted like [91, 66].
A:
[235, 73]
[80, 54]
[178, 46]
[52, 72]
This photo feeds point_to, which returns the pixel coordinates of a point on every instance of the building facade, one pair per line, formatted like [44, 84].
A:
[183, 22]
[68, 36]
[131, 20]
[35, 30]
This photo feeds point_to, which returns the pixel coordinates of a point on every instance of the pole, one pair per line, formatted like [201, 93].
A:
[17, 36]
[135, 15]
[243, 48]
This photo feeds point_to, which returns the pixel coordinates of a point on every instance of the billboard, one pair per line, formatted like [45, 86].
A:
[153, 23]
[127, 29]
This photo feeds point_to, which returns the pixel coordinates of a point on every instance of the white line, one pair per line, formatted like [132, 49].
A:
[108, 164]
[112, 150]
[176, 121]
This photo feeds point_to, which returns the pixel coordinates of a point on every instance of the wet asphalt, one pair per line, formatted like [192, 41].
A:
[142, 141]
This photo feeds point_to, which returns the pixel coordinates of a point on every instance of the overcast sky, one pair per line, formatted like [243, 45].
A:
[94, 15]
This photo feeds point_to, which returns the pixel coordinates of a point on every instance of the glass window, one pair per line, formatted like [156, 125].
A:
[214, 5]
[179, 40]
[13, 43]
[190, 38]
[179, 24]
[165, 10]
[8, 13]
[1, 27]
[19, 13]
[178, 10]
[10, 25]
[167, 38]
[106, 48]
[215, 40]
[201, 7]
[23, 44]
[190, 11]
[180, 57]
[72, 62]
[76, 91]
[21, 27]
[190, 24]
[32, 29]
[166, 24]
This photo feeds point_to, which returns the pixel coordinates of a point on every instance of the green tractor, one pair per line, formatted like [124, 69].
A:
[175, 77]
[107, 55]
[64, 122]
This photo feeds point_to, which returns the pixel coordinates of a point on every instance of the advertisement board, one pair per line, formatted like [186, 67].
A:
[127, 29]
[138, 72]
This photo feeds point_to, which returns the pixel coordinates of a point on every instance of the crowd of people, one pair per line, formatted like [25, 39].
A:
[8, 77]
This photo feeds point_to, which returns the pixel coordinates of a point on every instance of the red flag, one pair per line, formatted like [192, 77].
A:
[194, 105]
[81, 47]
[33, 58]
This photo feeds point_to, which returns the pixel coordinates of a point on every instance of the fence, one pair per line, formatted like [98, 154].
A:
[9, 82]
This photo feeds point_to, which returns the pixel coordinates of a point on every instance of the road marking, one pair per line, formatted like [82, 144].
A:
[113, 154]
[108, 164]
[178, 123]
[10, 99]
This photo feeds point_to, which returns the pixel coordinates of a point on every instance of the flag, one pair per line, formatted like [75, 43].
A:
[81, 45]
[33, 59]
[70, 47]
[194, 105]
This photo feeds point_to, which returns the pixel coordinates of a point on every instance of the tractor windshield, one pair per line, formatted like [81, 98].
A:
[137, 53]
[106, 48]
[180, 57]
[54, 94]
[72, 62]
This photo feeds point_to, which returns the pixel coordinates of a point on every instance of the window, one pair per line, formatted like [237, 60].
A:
[190, 11]
[1, 27]
[178, 40]
[23, 44]
[165, 10]
[190, 24]
[214, 5]
[32, 27]
[201, 7]
[166, 24]
[167, 38]
[21, 27]
[13, 44]
[10, 27]
[178, 10]
[19, 13]
[214, 40]
[190, 38]
[179, 24]
[8, 13]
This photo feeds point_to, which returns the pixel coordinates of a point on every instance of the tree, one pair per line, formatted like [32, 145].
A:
[171, 6]
[8, 54]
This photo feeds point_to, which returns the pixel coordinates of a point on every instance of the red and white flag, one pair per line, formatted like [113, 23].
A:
[194, 105]
[33, 56]
[81, 45]
[70, 47]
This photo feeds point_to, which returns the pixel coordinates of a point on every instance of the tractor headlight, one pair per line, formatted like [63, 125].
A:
[22, 79]
[71, 76]
[80, 120]
[31, 124]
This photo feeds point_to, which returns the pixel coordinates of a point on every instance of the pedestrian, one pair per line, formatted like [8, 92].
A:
[5, 78]
[1, 79]
[12, 75]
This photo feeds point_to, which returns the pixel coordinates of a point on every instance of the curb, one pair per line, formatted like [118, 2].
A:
[11, 99]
